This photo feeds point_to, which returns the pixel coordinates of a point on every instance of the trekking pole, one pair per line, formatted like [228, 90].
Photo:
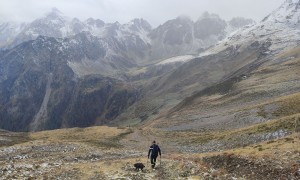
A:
[160, 160]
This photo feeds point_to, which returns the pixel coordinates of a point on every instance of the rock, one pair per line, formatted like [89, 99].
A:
[44, 165]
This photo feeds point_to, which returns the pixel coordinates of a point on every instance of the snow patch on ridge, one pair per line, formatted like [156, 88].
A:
[176, 59]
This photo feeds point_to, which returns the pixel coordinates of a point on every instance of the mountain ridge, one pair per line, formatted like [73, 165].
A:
[144, 90]
[55, 24]
[258, 49]
[230, 112]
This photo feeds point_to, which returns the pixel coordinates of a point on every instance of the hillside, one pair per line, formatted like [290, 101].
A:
[248, 96]
[59, 72]
[257, 64]
[84, 99]
[109, 153]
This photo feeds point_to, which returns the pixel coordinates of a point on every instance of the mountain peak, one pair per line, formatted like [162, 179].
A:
[207, 15]
[292, 1]
[288, 12]
[95, 22]
[184, 18]
[238, 22]
[139, 23]
[54, 13]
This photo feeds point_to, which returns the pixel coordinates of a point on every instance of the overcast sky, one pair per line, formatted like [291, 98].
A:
[154, 11]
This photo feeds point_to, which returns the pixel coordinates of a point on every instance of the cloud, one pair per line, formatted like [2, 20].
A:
[155, 11]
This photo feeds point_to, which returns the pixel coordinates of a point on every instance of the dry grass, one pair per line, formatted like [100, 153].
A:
[189, 137]
[78, 134]
[287, 106]
[10, 138]
[278, 75]
[273, 148]
[179, 165]
[292, 52]
[262, 87]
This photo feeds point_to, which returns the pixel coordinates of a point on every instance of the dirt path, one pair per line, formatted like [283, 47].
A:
[141, 140]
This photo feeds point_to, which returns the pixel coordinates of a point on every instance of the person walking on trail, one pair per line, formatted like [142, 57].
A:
[154, 150]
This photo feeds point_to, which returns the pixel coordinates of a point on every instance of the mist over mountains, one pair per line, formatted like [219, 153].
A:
[60, 72]
[85, 99]
[179, 31]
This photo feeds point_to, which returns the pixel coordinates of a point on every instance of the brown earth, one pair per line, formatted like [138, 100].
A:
[109, 153]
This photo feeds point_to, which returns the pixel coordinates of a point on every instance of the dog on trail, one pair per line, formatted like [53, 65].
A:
[139, 166]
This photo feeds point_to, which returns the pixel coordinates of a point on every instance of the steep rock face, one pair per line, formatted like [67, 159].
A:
[209, 25]
[182, 36]
[171, 38]
[280, 29]
[287, 13]
[40, 91]
[177, 31]
[23, 83]
[239, 22]
[130, 37]
[179, 36]
[98, 100]
[54, 24]
[88, 54]
[9, 31]
[95, 22]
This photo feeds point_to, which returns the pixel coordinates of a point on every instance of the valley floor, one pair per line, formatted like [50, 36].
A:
[109, 153]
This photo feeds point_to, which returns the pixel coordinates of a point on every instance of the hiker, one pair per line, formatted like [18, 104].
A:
[154, 150]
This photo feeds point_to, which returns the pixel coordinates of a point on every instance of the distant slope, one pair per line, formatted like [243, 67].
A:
[28, 102]
[255, 64]
[247, 97]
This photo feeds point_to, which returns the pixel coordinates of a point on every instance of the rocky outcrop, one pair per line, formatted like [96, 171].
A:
[40, 90]
[175, 37]
[209, 25]
[182, 36]
[239, 22]
[97, 100]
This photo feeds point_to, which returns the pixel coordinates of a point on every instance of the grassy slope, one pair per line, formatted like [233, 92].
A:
[68, 153]
[274, 83]
[108, 152]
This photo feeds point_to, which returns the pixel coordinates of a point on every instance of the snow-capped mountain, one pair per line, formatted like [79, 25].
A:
[64, 75]
[55, 24]
[279, 30]
[239, 22]
[182, 36]
[64, 72]
[287, 13]
[179, 36]
[9, 31]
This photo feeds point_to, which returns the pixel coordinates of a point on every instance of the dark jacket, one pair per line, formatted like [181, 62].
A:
[154, 150]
